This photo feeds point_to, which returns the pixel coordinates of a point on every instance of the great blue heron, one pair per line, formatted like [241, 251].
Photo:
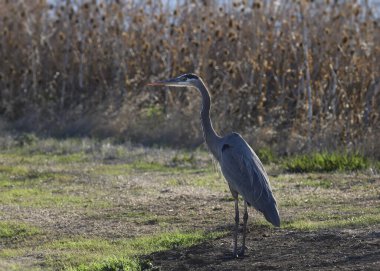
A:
[240, 165]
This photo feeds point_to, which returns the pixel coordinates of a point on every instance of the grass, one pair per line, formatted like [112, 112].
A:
[90, 205]
[357, 221]
[138, 217]
[144, 166]
[114, 263]
[89, 254]
[210, 180]
[11, 229]
[324, 183]
[267, 155]
[37, 197]
[326, 162]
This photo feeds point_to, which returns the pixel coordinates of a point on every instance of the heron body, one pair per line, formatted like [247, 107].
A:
[240, 165]
[239, 162]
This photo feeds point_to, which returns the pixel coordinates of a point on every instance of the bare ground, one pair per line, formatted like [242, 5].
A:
[282, 250]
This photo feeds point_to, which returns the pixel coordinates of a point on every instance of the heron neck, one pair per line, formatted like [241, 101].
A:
[211, 137]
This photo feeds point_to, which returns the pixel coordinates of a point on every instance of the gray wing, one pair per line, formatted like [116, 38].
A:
[246, 175]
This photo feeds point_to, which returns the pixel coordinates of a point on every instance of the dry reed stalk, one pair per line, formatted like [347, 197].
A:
[91, 59]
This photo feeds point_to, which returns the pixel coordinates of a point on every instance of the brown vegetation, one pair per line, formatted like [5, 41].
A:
[286, 74]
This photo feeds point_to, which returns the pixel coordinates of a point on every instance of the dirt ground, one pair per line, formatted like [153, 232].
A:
[282, 250]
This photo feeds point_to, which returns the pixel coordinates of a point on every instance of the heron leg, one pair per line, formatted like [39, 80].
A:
[235, 254]
[245, 220]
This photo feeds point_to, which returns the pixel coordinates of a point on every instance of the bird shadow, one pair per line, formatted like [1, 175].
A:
[200, 256]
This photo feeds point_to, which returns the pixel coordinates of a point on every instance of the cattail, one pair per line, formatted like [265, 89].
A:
[256, 5]
[218, 33]
[232, 36]
[357, 11]
[146, 47]
[230, 23]
[61, 36]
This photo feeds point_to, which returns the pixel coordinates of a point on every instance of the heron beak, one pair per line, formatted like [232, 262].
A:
[169, 83]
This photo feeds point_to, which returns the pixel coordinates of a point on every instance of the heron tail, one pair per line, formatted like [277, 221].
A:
[272, 216]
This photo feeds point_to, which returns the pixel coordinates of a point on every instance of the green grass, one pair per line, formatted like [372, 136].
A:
[100, 254]
[334, 222]
[42, 186]
[114, 201]
[11, 229]
[52, 198]
[114, 264]
[326, 162]
[184, 160]
[266, 155]
[26, 158]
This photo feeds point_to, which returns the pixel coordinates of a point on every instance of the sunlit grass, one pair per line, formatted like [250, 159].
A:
[335, 222]
[38, 197]
[37, 159]
[11, 229]
[326, 162]
[91, 254]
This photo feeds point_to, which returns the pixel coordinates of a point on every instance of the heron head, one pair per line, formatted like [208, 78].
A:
[185, 80]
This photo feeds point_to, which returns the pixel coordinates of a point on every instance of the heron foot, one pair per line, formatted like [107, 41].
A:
[240, 253]
[228, 256]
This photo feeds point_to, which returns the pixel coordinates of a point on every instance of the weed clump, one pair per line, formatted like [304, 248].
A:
[10, 229]
[266, 155]
[326, 162]
[117, 264]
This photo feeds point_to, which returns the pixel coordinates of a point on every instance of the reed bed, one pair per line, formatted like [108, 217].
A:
[289, 75]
